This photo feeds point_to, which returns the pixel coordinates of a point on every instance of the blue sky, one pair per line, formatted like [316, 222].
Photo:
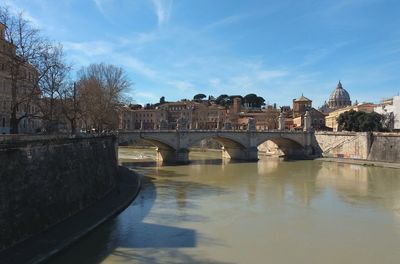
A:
[277, 49]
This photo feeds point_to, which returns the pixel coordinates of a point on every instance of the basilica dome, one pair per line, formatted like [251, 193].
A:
[339, 97]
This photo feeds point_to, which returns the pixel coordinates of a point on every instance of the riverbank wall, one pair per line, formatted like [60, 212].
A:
[44, 180]
[384, 147]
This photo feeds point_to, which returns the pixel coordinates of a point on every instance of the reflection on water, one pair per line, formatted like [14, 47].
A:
[215, 211]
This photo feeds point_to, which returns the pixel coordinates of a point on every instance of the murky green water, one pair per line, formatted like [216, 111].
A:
[267, 212]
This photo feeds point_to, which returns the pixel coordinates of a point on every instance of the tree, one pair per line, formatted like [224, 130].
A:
[53, 87]
[359, 121]
[23, 60]
[231, 97]
[252, 100]
[223, 99]
[101, 89]
[162, 100]
[71, 107]
[199, 97]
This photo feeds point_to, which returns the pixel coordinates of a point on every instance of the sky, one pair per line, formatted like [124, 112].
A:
[276, 49]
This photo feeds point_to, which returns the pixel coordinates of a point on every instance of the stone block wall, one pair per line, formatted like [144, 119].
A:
[350, 145]
[385, 147]
[356, 145]
[43, 181]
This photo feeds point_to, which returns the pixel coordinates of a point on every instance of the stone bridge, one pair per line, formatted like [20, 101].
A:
[173, 145]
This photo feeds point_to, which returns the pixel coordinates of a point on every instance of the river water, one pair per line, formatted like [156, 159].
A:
[272, 211]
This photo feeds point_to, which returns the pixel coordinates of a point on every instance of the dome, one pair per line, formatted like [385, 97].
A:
[339, 97]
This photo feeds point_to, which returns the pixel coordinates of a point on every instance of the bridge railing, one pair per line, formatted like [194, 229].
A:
[212, 130]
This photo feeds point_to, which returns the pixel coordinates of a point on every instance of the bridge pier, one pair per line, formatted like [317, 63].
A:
[246, 154]
[173, 156]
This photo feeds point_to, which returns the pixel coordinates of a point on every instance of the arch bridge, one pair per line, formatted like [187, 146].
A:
[173, 145]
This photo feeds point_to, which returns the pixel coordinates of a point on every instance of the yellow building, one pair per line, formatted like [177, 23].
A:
[331, 119]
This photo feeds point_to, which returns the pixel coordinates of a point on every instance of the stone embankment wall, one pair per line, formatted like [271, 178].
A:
[385, 147]
[350, 145]
[356, 145]
[46, 179]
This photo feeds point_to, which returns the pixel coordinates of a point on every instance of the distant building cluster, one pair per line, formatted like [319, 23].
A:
[208, 114]
[204, 115]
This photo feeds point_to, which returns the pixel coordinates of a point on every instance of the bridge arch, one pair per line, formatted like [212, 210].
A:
[165, 150]
[290, 147]
[232, 148]
[130, 140]
[223, 140]
[234, 145]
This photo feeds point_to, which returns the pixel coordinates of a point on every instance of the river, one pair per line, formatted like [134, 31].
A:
[271, 211]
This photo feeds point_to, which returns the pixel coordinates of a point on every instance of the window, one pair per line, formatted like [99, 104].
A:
[4, 122]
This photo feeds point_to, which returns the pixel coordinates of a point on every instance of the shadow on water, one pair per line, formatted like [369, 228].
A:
[131, 237]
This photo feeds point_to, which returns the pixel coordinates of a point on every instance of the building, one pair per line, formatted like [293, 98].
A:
[266, 119]
[205, 115]
[339, 98]
[331, 119]
[208, 116]
[302, 105]
[140, 118]
[25, 83]
[317, 120]
[390, 109]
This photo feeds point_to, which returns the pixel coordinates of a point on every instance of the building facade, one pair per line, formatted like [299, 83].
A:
[301, 106]
[27, 76]
[317, 120]
[199, 115]
[390, 109]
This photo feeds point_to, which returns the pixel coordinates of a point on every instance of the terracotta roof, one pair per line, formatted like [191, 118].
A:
[302, 98]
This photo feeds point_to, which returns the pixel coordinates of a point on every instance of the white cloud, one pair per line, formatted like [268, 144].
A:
[162, 9]
[144, 97]
[226, 21]
[138, 40]
[184, 86]
[101, 5]
[270, 74]
[136, 65]
[15, 10]
[92, 48]
[98, 51]
[215, 82]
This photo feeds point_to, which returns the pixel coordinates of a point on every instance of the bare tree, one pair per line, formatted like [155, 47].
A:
[53, 85]
[71, 105]
[101, 91]
[24, 64]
